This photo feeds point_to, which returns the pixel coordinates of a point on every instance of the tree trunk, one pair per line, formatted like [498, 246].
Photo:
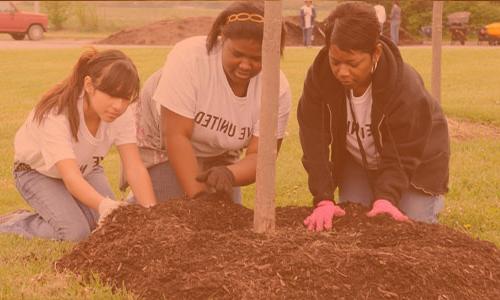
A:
[264, 211]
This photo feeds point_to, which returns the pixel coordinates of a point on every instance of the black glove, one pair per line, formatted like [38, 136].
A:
[220, 178]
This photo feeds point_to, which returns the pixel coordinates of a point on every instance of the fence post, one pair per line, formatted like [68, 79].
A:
[437, 39]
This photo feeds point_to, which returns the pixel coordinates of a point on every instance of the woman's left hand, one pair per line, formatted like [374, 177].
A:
[382, 206]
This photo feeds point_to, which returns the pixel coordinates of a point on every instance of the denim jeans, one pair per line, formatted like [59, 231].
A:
[395, 32]
[307, 36]
[58, 215]
[355, 187]
[166, 186]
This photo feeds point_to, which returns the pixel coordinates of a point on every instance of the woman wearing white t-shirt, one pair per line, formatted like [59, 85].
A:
[208, 95]
[369, 127]
[59, 148]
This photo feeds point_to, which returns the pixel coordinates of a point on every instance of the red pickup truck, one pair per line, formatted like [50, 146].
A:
[19, 23]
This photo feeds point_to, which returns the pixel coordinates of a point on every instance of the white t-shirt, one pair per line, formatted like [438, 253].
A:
[307, 10]
[380, 11]
[362, 107]
[193, 84]
[42, 146]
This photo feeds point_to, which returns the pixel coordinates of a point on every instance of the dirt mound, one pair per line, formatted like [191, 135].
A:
[165, 32]
[294, 32]
[187, 249]
[169, 32]
[465, 130]
[405, 37]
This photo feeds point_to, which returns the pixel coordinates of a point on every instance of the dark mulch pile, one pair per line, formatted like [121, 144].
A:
[169, 32]
[186, 249]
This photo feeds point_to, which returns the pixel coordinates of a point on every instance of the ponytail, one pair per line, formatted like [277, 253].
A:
[111, 71]
[216, 30]
[63, 97]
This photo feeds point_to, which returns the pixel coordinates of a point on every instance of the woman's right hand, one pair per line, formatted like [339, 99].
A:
[106, 207]
[321, 217]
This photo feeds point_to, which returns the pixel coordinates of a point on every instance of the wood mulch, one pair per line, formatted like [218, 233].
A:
[186, 249]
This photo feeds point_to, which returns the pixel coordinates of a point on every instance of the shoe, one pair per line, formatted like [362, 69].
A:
[9, 216]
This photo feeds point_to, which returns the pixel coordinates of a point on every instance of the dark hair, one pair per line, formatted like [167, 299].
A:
[353, 26]
[240, 29]
[111, 71]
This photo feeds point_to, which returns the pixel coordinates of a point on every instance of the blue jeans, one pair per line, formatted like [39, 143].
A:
[395, 32]
[355, 187]
[58, 215]
[307, 36]
[166, 186]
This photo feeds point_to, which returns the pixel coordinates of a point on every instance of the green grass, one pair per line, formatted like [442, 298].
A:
[469, 92]
[470, 81]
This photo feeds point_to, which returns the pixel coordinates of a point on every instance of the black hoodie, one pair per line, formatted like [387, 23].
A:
[408, 125]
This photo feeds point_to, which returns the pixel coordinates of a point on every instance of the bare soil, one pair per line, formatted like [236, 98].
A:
[169, 32]
[464, 130]
[165, 32]
[186, 249]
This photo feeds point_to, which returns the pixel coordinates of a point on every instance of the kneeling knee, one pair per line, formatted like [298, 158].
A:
[74, 233]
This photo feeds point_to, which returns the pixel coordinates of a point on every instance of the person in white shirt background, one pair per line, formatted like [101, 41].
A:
[201, 111]
[381, 16]
[59, 148]
[307, 17]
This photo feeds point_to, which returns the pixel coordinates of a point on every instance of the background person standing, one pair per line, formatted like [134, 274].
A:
[395, 21]
[307, 16]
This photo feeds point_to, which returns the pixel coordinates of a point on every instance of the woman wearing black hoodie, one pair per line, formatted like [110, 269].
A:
[369, 127]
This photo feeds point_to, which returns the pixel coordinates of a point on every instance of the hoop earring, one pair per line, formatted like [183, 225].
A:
[374, 66]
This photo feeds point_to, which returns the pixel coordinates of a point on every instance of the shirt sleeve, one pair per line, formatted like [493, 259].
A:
[177, 87]
[124, 128]
[147, 115]
[56, 140]
[284, 107]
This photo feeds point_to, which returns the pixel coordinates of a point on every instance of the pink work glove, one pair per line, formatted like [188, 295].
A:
[321, 218]
[382, 206]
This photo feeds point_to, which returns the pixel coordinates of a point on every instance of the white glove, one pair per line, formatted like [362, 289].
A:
[106, 207]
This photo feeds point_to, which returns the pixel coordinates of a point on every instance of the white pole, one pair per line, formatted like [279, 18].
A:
[437, 39]
[264, 211]
[36, 6]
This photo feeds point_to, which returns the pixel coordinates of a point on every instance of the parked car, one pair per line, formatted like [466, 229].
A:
[19, 23]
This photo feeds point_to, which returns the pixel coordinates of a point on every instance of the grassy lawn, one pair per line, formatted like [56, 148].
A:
[470, 92]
